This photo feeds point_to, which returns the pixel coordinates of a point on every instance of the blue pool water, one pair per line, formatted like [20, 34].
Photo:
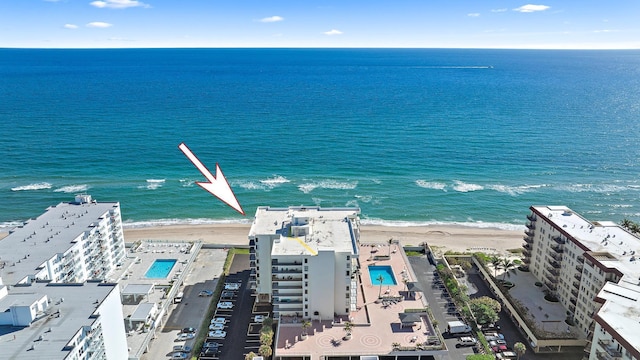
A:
[385, 271]
[160, 269]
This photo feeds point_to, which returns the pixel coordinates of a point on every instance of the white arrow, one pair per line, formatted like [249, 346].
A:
[217, 185]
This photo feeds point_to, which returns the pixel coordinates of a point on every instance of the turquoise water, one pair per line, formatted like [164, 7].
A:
[411, 136]
[160, 269]
[382, 270]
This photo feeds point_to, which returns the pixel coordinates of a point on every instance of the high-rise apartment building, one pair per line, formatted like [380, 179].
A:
[593, 268]
[304, 259]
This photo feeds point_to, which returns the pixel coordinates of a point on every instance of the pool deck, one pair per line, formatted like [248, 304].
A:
[376, 326]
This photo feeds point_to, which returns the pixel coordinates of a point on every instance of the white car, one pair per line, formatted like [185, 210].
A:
[185, 336]
[216, 327]
[181, 348]
[259, 318]
[218, 334]
[219, 320]
[232, 286]
[225, 305]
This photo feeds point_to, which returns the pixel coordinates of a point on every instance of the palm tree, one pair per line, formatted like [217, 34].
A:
[519, 348]
[626, 223]
[380, 279]
[250, 356]
[495, 262]
[507, 265]
[347, 329]
[305, 325]
[265, 350]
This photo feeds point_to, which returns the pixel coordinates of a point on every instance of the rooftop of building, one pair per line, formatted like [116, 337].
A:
[37, 240]
[621, 310]
[609, 243]
[71, 306]
[307, 230]
[376, 324]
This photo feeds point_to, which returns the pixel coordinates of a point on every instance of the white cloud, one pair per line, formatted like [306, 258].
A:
[605, 31]
[99, 24]
[473, 14]
[118, 4]
[271, 19]
[333, 32]
[70, 26]
[531, 8]
[499, 10]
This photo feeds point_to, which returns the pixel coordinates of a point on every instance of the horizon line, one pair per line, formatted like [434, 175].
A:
[314, 47]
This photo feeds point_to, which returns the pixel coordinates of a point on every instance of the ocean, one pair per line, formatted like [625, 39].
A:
[411, 136]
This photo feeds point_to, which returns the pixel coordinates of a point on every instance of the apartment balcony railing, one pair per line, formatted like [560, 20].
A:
[554, 261]
[279, 270]
[530, 232]
[551, 286]
[526, 252]
[527, 246]
[286, 278]
[580, 259]
[288, 285]
[573, 301]
[579, 267]
[526, 260]
[578, 276]
[252, 242]
[611, 351]
[559, 240]
[531, 217]
[530, 225]
[252, 264]
[252, 256]
[558, 249]
[574, 293]
[572, 308]
[576, 285]
[550, 277]
[553, 271]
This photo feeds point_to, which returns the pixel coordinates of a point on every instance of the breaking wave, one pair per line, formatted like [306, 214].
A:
[35, 186]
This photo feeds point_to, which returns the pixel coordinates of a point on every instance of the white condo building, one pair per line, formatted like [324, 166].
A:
[53, 302]
[593, 267]
[304, 259]
[69, 243]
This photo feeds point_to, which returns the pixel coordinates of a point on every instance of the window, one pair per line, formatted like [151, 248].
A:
[347, 295]
[305, 260]
[347, 272]
[347, 287]
[306, 276]
[306, 291]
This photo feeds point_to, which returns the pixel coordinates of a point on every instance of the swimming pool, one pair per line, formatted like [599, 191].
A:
[382, 270]
[160, 268]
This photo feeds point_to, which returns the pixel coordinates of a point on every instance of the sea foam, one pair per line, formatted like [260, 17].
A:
[73, 189]
[35, 186]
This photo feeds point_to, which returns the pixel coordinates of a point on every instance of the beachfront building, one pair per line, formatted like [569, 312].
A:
[44, 320]
[70, 243]
[593, 269]
[304, 260]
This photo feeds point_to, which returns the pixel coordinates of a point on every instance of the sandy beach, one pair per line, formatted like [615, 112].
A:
[443, 238]
[440, 238]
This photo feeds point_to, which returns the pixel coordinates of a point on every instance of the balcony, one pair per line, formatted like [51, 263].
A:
[527, 246]
[551, 278]
[559, 240]
[528, 239]
[578, 276]
[551, 286]
[576, 285]
[526, 260]
[553, 271]
[530, 226]
[282, 270]
[554, 260]
[579, 267]
[580, 259]
[558, 249]
[574, 293]
[286, 278]
[286, 262]
[611, 351]
[572, 308]
[526, 252]
[287, 285]
[530, 232]
[574, 302]
[531, 217]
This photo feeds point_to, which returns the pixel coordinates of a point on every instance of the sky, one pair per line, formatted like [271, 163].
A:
[544, 24]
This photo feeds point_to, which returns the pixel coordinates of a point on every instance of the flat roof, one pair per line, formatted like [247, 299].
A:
[307, 230]
[621, 310]
[137, 289]
[38, 240]
[71, 306]
[613, 245]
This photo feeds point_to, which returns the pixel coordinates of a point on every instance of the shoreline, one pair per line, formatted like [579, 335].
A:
[441, 238]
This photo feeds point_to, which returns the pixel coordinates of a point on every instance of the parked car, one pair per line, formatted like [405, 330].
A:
[507, 355]
[209, 351]
[489, 327]
[219, 320]
[211, 344]
[259, 318]
[182, 348]
[228, 294]
[217, 334]
[498, 345]
[185, 336]
[189, 330]
[232, 286]
[216, 327]
[179, 356]
[466, 341]
[205, 293]
[493, 336]
[225, 305]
